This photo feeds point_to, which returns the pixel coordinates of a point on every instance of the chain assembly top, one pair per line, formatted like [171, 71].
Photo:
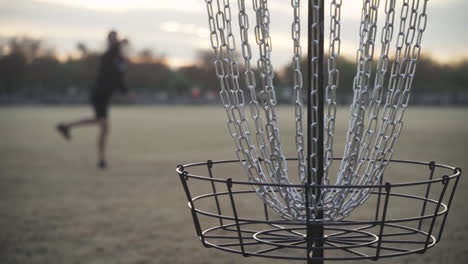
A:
[381, 96]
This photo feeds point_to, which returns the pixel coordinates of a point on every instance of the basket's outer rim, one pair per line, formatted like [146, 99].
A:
[456, 173]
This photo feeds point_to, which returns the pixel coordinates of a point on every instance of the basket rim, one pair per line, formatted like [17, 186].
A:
[180, 169]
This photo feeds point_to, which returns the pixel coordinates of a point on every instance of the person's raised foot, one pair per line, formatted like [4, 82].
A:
[102, 164]
[64, 131]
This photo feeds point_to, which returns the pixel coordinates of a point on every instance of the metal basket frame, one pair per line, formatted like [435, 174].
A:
[379, 237]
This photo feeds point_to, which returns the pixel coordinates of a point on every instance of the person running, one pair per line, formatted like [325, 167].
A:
[110, 77]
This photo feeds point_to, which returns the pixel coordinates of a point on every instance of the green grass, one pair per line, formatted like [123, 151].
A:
[56, 207]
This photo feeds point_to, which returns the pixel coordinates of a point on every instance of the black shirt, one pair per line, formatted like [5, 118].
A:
[110, 75]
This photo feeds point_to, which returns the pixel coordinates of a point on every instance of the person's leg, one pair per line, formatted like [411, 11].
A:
[64, 128]
[82, 122]
[102, 142]
[99, 107]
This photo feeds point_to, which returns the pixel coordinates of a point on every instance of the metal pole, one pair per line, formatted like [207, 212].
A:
[315, 231]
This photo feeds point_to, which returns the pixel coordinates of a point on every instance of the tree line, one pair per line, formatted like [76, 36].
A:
[31, 71]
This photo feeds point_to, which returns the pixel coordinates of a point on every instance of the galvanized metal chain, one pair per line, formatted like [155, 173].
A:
[365, 159]
[361, 83]
[223, 44]
[397, 97]
[367, 151]
[333, 82]
[298, 89]
[402, 74]
[266, 73]
[250, 82]
[330, 97]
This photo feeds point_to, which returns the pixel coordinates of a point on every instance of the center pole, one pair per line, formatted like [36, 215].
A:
[315, 114]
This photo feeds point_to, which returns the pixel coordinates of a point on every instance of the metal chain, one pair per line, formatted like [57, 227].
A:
[333, 82]
[250, 82]
[367, 151]
[330, 97]
[403, 71]
[297, 88]
[361, 85]
[222, 41]
[266, 72]
[365, 159]
[397, 97]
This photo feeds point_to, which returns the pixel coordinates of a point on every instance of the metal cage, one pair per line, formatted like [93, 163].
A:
[229, 216]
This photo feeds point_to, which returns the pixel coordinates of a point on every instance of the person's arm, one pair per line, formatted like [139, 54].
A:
[121, 61]
[122, 66]
[124, 88]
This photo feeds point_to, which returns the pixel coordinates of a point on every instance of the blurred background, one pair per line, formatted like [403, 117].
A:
[49, 51]
[56, 207]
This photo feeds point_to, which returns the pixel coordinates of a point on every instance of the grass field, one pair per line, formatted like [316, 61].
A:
[56, 207]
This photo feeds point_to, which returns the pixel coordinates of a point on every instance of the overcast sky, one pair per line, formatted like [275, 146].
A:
[178, 28]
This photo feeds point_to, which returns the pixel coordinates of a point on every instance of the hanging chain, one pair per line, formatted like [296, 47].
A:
[232, 97]
[402, 75]
[266, 72]
[377, 96]
[367, 151]
[330, 91]
[361, 82]
[365, 159]
[268, 172]
[298, 88]
[250, 83]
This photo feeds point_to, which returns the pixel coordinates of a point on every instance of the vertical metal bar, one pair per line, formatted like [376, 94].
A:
[183, 179]
[309, 228]
[429, 233]
[265, 210]
[315, 231]
[321, 97]
[309, 130]
[236, 218]
[209, 164]
[265, 207]
[309, 91]
[379, 198]
[388, 188]
[431, 176]
[457, 171]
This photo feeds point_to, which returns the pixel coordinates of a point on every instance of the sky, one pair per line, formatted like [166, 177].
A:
[178, 28]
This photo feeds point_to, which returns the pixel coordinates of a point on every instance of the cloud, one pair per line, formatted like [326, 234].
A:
[125, 5]
[189, 29]
[63, 25]
[180, 27]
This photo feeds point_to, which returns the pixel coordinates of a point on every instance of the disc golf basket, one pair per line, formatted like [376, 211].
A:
[299, 208]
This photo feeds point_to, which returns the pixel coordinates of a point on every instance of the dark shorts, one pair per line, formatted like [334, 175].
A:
[101, 107]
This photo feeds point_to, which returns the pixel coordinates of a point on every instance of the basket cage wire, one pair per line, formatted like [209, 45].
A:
[228, 216]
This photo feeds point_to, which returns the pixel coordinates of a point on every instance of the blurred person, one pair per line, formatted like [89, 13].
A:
[110, 77]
